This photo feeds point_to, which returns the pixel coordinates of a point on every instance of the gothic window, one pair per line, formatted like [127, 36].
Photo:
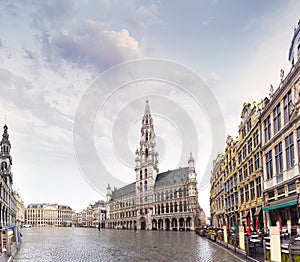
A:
[162, 208]
[277, 118]
[287, 104]
[175, 207]
[267, 129]
[3, 166]
[180, 193]
[258, 187]
[141, 175]
[180, 206]
[171, 207]
[278, 158]
[158, 209]
[184, 206]
[147, 152]
[167, 208]
[145, 173]
[289, 148]
[146, 135]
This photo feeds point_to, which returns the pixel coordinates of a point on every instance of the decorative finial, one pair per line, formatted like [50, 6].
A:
[281, 74]
[271, 91]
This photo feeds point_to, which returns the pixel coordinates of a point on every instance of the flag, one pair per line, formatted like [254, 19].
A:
[280, 224]
[256, 227]
[249, 229]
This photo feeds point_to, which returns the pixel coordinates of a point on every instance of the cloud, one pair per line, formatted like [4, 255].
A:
[250, 24]
[51, 13]
[19, 94]
[90, 44]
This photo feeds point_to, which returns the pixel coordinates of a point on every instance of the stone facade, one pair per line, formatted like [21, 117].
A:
[281, 150]
[20, 211]
[48, 215]
[217, 207]
[7, 199]
[158, 201]
[260, 170]
[93, 215]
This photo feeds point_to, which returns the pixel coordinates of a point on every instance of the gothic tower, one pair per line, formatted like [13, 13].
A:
[146, 160]
[192, 184]
[5, 157]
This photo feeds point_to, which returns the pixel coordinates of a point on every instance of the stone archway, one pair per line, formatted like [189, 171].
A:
[160, 224]
[154, 224]
[167, 224]
[174, 224]
[188, 223]
[181, 224]
[143, 223]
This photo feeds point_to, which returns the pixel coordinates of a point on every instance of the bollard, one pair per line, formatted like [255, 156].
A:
[15, 236]
[275, 246]
[225, 234]
[242, 237]
[8, 247]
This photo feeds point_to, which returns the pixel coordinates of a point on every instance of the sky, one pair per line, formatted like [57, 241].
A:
[71, 134]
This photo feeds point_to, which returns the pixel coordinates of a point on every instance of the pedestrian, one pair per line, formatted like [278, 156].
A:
[135, 228]
[99, 226]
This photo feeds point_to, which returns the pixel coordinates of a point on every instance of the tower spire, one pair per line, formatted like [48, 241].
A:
[5, 157]
[146, 156]
[147, 108]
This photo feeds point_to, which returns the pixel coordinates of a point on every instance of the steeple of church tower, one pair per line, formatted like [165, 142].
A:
[5, 157]
[146, 160]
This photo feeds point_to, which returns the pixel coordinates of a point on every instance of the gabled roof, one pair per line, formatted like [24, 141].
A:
[123, 191]
[169, 178]
[172, 177]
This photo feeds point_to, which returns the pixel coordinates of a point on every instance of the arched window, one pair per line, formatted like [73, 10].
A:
[171, 207]
[180, 193]
[167, 208]
[162, 208]
[175, 207]
[146, 173]
[158, 209]
[3, 166]
[180, 206]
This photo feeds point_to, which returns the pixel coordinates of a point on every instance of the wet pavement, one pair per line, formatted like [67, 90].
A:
[88, 244]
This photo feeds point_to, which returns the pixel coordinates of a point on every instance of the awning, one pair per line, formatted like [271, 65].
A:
[285, 202]
[258, 209]
[245, 214]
